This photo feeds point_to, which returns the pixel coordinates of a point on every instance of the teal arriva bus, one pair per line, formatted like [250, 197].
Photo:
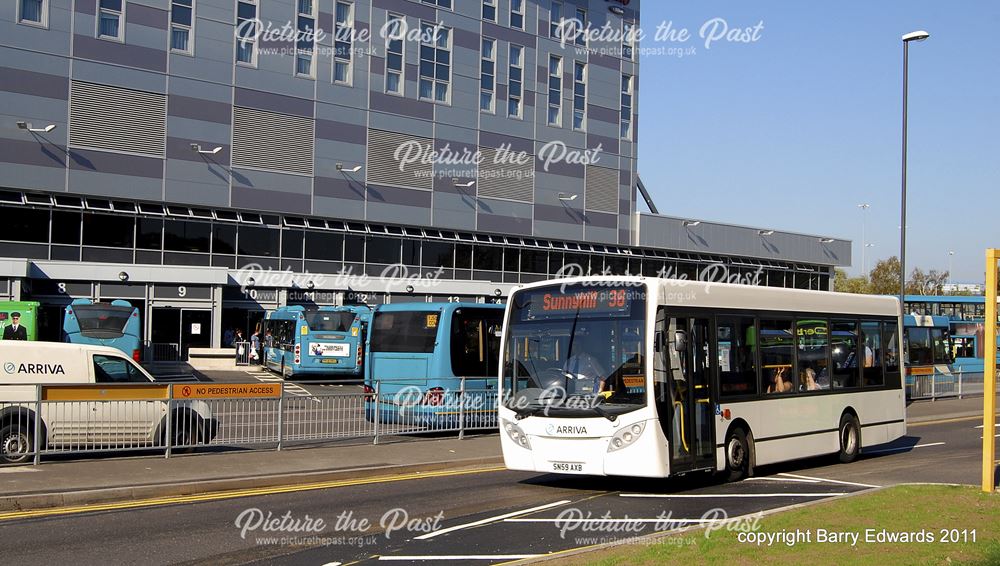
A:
[418, 354]
[116, 324]
[320, 342]
[966, 316]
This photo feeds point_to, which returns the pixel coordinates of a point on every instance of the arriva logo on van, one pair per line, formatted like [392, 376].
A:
[565, 429]
[36, 369]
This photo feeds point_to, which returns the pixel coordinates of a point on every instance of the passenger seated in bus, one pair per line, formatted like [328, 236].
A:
[807, 380]
[780, 382]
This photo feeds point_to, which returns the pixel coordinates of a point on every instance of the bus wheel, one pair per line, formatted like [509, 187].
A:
[850, 438]
[15, 444]
[737, 454]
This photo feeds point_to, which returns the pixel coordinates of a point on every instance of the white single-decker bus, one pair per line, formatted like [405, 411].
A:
[635, 376]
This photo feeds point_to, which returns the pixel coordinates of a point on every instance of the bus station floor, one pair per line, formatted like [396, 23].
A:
[88, 479]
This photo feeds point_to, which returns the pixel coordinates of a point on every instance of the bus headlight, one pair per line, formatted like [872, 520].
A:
[626, 436]
[516, 434]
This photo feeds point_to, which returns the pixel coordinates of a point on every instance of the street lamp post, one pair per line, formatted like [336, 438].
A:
[864, 259]
[912, 36]
[951, 256]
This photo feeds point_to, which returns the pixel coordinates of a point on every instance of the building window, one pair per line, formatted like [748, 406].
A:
[555, 91]
[628, 39]
[395, 32]
[181, 23]
[555, 19]
[109, 20]
[487, 81]
[305, 49]
[626, 120]
[441, 3]
[246, 32]
[579, 95]
[435, 62]
[33, 12]
[517, 14]
[580, 27]
[343, 42]
[490, 10]
[515, 74]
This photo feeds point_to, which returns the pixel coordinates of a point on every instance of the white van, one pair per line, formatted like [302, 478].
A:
[87, 424]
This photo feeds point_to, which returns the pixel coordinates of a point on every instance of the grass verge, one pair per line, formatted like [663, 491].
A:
[941, 512]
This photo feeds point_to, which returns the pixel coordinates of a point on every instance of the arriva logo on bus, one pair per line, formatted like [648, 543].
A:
[36, 369]
[565, 429]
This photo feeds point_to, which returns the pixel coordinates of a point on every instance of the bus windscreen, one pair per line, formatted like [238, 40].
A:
[102, 321]
[410, 332]
[326, 321]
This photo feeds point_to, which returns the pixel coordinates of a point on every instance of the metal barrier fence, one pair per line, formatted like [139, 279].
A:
[37, 422]
[957, 384]
[162, 352]
[242, 352]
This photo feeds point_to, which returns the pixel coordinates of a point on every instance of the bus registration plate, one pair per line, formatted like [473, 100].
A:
[567, 467]
[329, 361]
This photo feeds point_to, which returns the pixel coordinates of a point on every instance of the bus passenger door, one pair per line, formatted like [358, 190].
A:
[690, 409]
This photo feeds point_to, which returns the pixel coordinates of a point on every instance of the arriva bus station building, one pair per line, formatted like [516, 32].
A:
[165, 153]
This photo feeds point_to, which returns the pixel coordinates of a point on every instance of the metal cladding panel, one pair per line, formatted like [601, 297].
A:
[501, 176]
[602, 189]
[385, 166]
[117, 119]
[268, 140]
[665, 232]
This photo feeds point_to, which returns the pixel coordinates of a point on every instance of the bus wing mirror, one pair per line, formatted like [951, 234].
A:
[658, 341]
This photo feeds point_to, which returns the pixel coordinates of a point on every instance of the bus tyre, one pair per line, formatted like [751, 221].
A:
[15, 444]
[850, 438]
[737, 454]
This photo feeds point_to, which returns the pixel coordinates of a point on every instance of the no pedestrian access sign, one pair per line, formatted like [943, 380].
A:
[226, 390]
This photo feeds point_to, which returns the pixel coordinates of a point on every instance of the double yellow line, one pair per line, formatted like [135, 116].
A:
[221, 495]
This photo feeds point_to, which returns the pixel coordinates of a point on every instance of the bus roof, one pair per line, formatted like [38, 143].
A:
[693, 294]
[426, 307]
[922, 320]
[972, 299]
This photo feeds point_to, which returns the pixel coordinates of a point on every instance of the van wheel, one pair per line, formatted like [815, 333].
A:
[184, 433]
[737, 454]
[15, 444]
[850, 438]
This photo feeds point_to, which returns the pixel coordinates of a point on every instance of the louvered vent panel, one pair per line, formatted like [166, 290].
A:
[506, 180]
[269, 140]
[118, 119]
[383, 167]
[602, 189]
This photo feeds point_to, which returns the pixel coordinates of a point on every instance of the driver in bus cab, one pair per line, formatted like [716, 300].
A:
[583, 365]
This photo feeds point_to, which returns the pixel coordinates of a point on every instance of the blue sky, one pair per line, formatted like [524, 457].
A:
[793, 131]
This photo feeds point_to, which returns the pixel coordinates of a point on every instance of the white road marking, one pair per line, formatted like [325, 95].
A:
[901, 448]
[464, 557]
[995, 424]
[773, 478]
[491, 519]
[723, 496]
[292, 388]
[829, 480]
[662, 520]
[333, 564]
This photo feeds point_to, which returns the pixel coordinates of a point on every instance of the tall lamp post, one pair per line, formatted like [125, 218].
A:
[912, 36]
[951, 256]
[864, 245]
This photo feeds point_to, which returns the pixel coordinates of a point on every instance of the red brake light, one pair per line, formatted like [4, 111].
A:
[135, 355]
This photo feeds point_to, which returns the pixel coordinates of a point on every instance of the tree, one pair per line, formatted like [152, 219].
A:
[844, 284]
[930, 283]
[884, 277]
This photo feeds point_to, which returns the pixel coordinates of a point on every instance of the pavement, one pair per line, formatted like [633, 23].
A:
[105, 478]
